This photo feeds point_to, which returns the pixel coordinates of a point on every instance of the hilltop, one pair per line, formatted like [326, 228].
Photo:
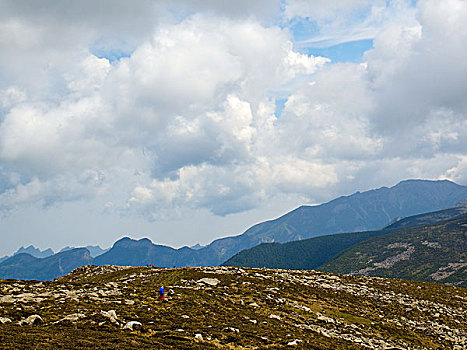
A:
[229, 308]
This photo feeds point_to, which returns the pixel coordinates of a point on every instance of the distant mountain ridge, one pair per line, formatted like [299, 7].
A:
[94, 250]
[362, 211]
[36, 252]
[27, 267]
[31, 250]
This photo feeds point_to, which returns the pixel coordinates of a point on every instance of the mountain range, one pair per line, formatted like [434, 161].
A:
[37, 253]
[404, 249]
[365, 211]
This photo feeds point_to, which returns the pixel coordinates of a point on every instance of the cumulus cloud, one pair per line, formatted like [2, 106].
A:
[185, 119]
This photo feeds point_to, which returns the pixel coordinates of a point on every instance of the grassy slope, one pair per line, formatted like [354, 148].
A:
[305, 254]
[323, 311]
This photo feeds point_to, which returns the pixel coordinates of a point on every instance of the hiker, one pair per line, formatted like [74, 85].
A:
[161, 293]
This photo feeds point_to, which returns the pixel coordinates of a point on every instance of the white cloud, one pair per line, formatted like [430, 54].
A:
[337, 22]
[186, 122]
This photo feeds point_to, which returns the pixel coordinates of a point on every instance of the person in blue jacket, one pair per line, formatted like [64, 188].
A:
[161, 293]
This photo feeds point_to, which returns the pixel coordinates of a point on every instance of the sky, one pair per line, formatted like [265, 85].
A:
[186, 121]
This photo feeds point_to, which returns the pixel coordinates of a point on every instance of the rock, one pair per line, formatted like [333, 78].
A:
[185, 316]
[4, 320]
[254, 304]
[111, 315]
[7, 299]
[133, 326]
[253, 321]
[33, 319]
[326, 319]
[232, 329]
[73, 317]
[199, 336]
[276, 317]
[294, 343]
[209, 281]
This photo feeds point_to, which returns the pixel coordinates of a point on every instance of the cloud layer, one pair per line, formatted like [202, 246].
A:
[156, 108]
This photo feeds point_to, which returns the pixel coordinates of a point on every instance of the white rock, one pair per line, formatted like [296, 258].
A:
[4, 320]
[209, 281]
[73, 317]
[185, 316]
[232, 329]
[326, 319]
[275, 317]
[199, 336]
[294, 343]
[254, 304]
[7, 299]
[133, 326]
[111, 315]
[33, 319]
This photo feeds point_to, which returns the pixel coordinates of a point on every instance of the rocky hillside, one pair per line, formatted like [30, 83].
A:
[229, 308]
[435, 253]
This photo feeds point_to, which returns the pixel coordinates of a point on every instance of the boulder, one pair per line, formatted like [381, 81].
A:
[4, 320]
[209, 281]
[133, 326]
[111, 315]
[33, 319]
[73, 317]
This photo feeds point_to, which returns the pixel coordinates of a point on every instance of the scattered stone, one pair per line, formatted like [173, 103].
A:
[199, 336]
[254, 304]
[275, 317]
[185, 316]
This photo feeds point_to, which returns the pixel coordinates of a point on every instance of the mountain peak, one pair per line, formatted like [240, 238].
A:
[33, 251]
[425, 181]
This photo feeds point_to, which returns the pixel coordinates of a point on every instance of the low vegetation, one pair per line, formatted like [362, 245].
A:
[114, 307]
